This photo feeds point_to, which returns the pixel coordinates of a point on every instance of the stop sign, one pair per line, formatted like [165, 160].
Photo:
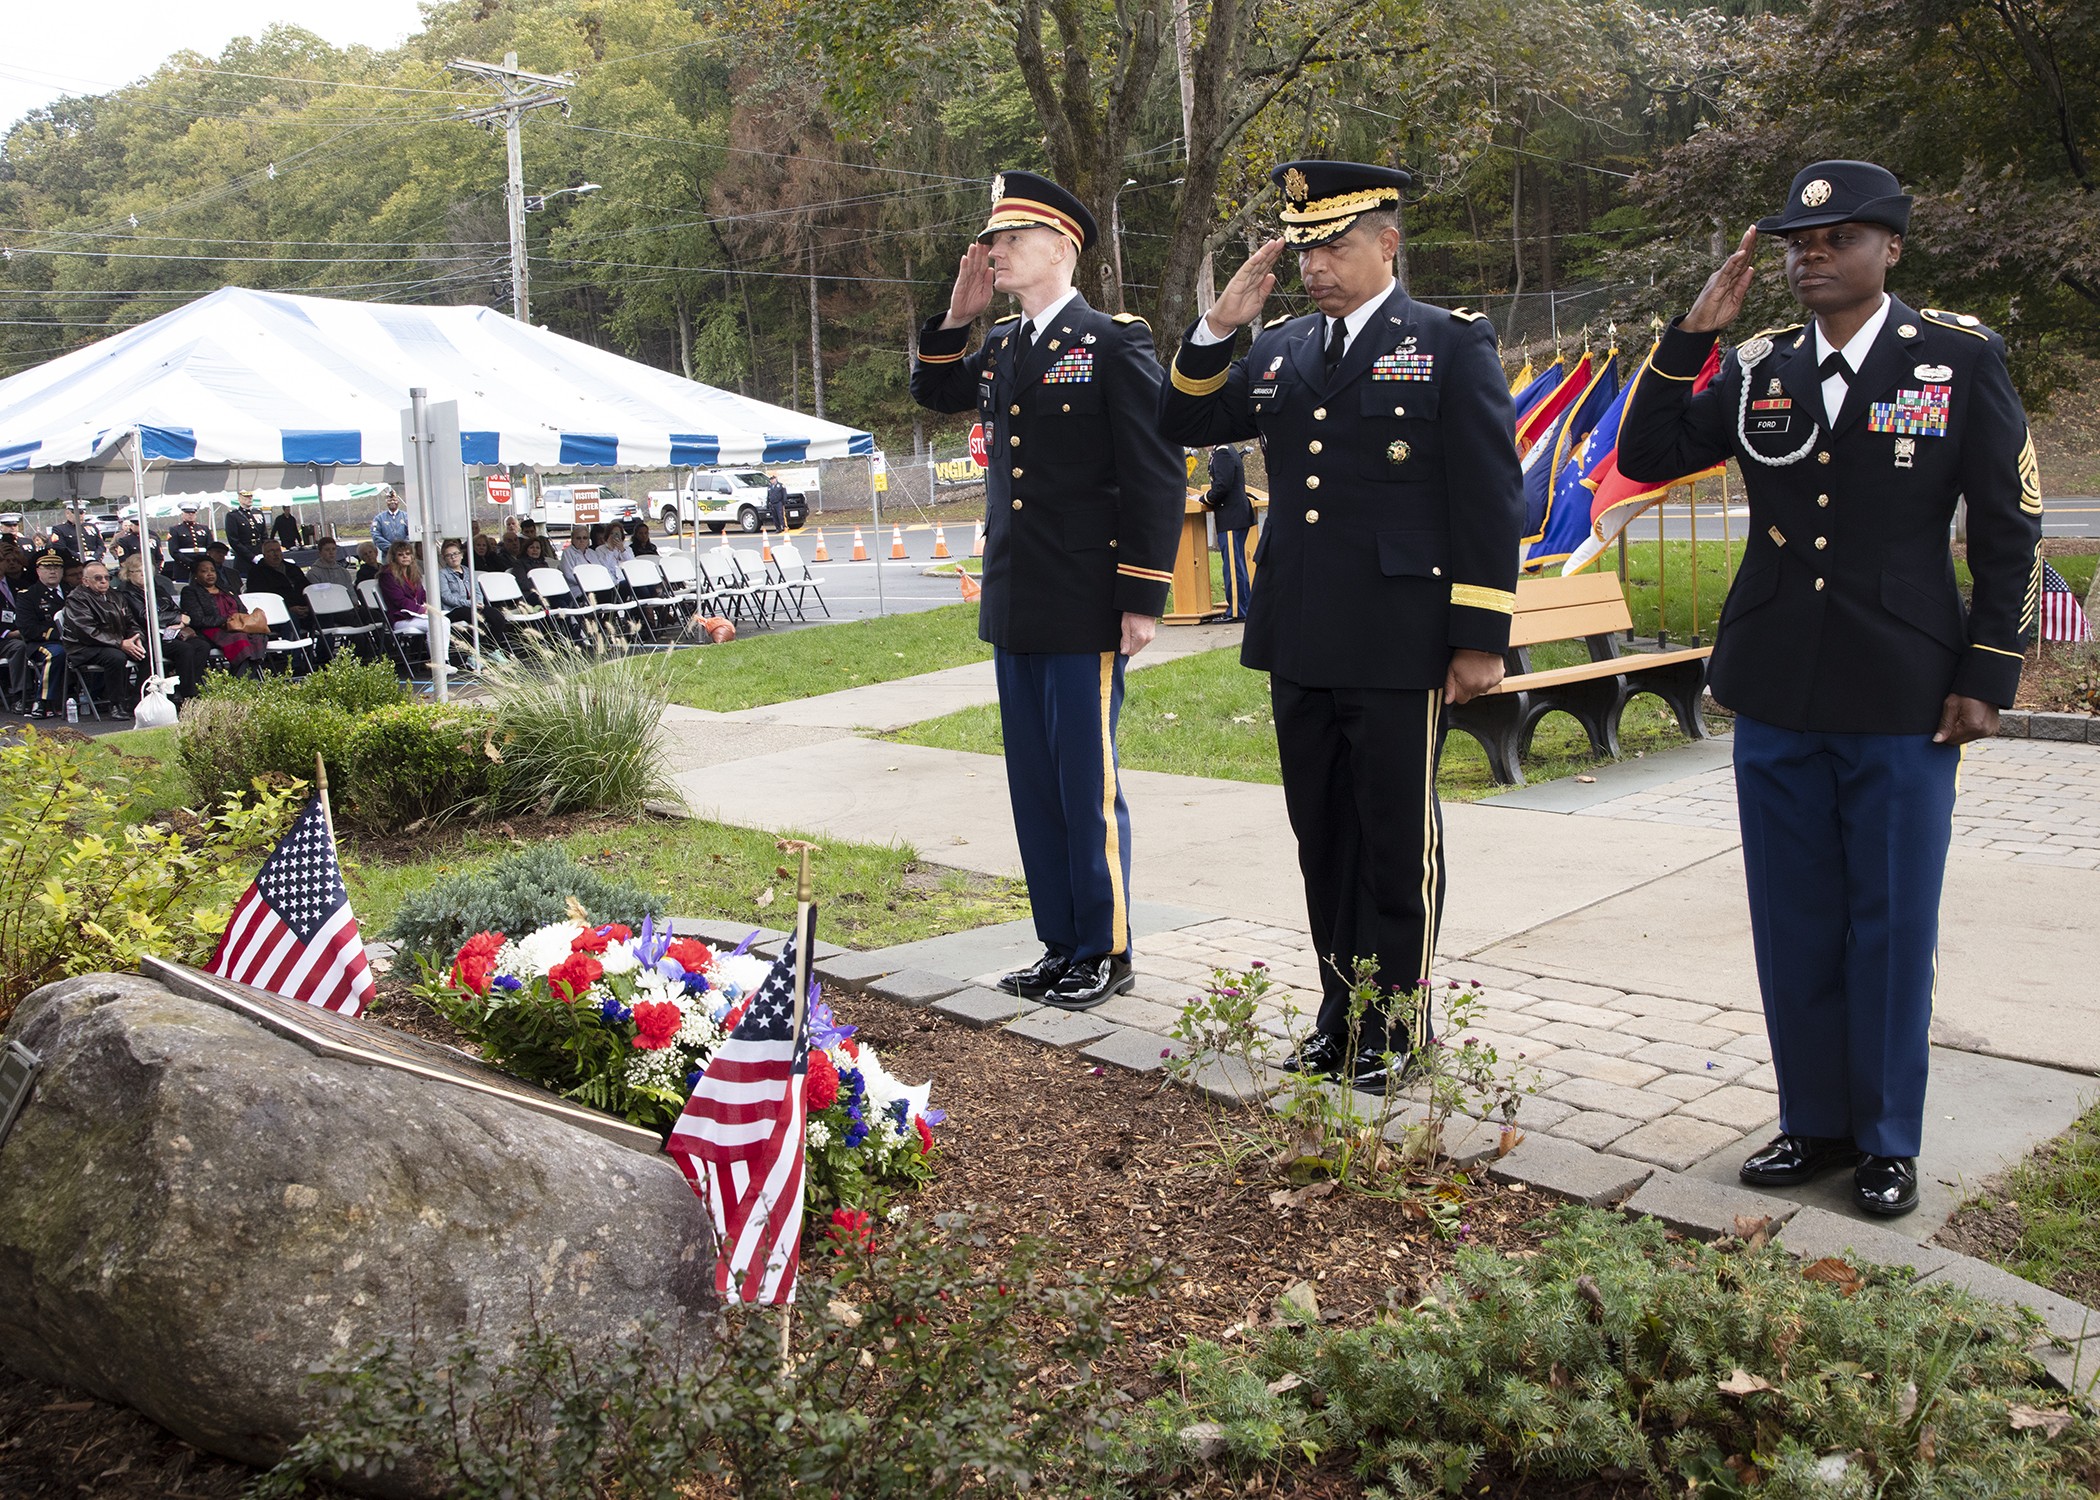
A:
[979, 454]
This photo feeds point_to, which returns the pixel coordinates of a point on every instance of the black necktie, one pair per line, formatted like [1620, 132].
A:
[1027, 334]
[1834, 364]
[1335, 341]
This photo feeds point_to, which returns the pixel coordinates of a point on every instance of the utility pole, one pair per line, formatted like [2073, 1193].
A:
[522, 93]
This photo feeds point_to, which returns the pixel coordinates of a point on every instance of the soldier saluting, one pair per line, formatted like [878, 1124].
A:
[1854, 672]
[1387, 570]
[1083, 511]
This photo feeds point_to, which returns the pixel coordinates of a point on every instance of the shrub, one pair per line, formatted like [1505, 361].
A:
[580, 734]
[354, 686]
[1736, 1370]
[519, 893]
[414, 763]
[913, 1374]
[84, 889]
[242, 728]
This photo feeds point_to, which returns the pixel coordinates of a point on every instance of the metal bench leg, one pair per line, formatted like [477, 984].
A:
[1495, 722]
[1682, 685]
[1595, 705]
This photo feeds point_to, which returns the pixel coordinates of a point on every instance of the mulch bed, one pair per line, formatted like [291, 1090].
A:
[1111, 1168]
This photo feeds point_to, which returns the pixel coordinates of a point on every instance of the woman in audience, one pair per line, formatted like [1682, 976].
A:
[184, 654]
[401, 591]
[209, 608]
[367, 561]
[532, 553]
[639, 541]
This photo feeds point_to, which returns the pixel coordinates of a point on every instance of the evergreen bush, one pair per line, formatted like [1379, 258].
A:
[1616, 1348]
[243, 728]
[411, 764]
[518, 894]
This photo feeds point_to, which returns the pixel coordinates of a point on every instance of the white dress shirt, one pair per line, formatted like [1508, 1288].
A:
[1855, 352]
[1354, 322]
[1042, 319]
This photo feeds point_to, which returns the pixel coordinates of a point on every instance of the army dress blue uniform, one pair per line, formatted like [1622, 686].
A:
[1234, 516]
[1083, 503]
[1395, 504]
[1841, 638]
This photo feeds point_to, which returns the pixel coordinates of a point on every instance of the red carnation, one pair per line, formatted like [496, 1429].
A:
[823, 1085]
[851, 1048]
[692, 955]
[598, 939]
[734, 1015]
[476, 963]
[655, 1023]
[573, 975]
[925, 1135]
[851, 1229]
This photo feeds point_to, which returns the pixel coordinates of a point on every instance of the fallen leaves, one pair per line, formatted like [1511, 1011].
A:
[763, 899]
[2049, 1424]
[1743, 1383]
[1289, 1198]
[1754, 1230]
[1836, 1273]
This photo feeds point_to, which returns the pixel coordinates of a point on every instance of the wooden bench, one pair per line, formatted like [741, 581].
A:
[1588, 607]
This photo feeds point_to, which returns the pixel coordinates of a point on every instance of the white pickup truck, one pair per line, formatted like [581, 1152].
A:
[721, 498]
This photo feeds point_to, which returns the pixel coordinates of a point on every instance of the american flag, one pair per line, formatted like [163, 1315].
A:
[293, 933]
[2063, 617]
[740, 1140]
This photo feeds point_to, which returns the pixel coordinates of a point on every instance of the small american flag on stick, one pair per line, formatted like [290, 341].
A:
[293, 933]
[2063, 617]
[740, 1141]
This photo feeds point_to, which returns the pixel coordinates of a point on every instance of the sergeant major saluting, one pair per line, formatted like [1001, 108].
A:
[1853, 670]
[1387, 569]
[1083, 514]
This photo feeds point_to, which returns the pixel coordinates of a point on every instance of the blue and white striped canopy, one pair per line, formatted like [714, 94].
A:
[262, 378]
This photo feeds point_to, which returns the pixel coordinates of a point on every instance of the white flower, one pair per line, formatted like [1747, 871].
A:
[618, 958]
[537, 952]
[897, 1212]
[652, 986]
[883, 1090]
[741, 973]
[698, 1032]
[819, 1135]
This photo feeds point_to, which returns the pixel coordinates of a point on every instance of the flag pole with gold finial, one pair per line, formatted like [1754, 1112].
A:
[805, 939]
[321, 786]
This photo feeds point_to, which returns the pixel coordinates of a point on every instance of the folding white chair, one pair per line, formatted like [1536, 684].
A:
[603, 590]
[681, 580]
[336, 616]
[285, 637]
[744, 567]
[797, 579]
[500, 592]
[552, 585]
[645, 582]
[728, 589]
[399, 632]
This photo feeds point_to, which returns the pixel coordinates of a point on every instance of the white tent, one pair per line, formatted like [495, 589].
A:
[265, 380]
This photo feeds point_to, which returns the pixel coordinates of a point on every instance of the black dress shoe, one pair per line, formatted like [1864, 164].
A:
[1789, 1159]
[1031, 982]
[1087, 983]
[1374, 1075]
[1886, 1185]
[1320, 1054]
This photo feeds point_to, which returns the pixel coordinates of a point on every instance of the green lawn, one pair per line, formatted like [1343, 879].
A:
[795, 664]
[145, 758]
[1206, 715]
[2056, 1195]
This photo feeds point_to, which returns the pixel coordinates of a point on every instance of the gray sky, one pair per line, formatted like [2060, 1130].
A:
[57, 47]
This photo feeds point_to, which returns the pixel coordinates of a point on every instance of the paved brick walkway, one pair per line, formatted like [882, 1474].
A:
[2028, 800]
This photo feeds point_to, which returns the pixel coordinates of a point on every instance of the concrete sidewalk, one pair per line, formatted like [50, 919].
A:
[1606, 918]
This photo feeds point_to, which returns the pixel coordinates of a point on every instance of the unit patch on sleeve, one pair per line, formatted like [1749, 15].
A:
[1919, 413]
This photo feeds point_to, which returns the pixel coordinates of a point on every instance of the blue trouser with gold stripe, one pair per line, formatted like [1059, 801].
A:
[1057, 715]
[1233, 544]
[1845, 846]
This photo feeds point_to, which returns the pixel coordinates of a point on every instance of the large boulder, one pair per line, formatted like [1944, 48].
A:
[194, 1211]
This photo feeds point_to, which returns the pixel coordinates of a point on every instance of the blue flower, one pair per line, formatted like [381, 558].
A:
[933, 1116]
[507, 982]
[614, 1011]
[745, 946]
[899, 1111]
[692, 1080]
[650, 947]
[856, 1133]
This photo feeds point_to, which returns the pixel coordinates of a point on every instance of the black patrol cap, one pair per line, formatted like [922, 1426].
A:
[1841, 192]
[1024, 199]
[1321, 199]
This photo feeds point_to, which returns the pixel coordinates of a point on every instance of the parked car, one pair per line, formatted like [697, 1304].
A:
[556, 509]
[721, 498]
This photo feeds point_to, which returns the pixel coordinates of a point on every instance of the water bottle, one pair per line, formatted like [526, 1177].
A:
[72, 710]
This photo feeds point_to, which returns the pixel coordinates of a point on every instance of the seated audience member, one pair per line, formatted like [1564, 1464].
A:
[487, 551]
[184, 654]
[368, 563]
[608, 547]
[273, 573]
[329, 567]
[230, 570]
[401, 591]
[513, 544]
[30, 626]
[101, 638]
[575, 553]
[455, 593]
[210, 607]
[639, 542]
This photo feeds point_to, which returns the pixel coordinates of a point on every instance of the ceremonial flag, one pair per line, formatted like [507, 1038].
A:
[1567, 523]
[293, 933]
[2063, 617]
[1548, 408]
[1537, 387]
[1614, 499]
[1518, 381]
[1550, 454]
[740, 1141]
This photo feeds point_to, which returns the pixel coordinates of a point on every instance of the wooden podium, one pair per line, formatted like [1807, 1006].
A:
[1193, 601]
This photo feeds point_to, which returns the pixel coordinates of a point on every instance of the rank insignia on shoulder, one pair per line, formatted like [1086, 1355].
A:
[1280, 318]
[1128, 318]
[1467, 315]
[1967, 323]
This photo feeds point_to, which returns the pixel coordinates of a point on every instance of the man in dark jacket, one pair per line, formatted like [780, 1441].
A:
[1084, 502]
[100, 637]
[246, 529]
[1854, 672]
[39, 655]
[274, 574]
[776, 503]
[1233, 514]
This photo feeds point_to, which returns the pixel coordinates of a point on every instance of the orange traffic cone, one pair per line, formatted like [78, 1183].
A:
[971, 588]
[896, 542]
[977, 550]
[765, 546]
[822, 554]
[940, 541]
[860, 548]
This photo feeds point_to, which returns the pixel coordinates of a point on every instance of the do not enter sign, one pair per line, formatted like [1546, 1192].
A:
[979, 453]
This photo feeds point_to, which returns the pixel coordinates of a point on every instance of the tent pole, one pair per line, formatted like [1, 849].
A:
[153, 708]
[435, 643]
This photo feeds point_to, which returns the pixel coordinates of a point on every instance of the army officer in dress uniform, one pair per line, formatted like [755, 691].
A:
[1083, 516]
[1853, 670]
[1388, 569]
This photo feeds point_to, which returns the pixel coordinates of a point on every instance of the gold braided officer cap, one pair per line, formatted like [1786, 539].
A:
[1321, 199]
[1023, 199]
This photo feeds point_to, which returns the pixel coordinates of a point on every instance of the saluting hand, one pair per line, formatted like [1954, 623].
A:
[1241, 301]
[1722, 297]
[973, 288]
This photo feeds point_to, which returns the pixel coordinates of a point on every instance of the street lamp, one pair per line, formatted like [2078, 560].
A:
[534, 202]
[1115, 234]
